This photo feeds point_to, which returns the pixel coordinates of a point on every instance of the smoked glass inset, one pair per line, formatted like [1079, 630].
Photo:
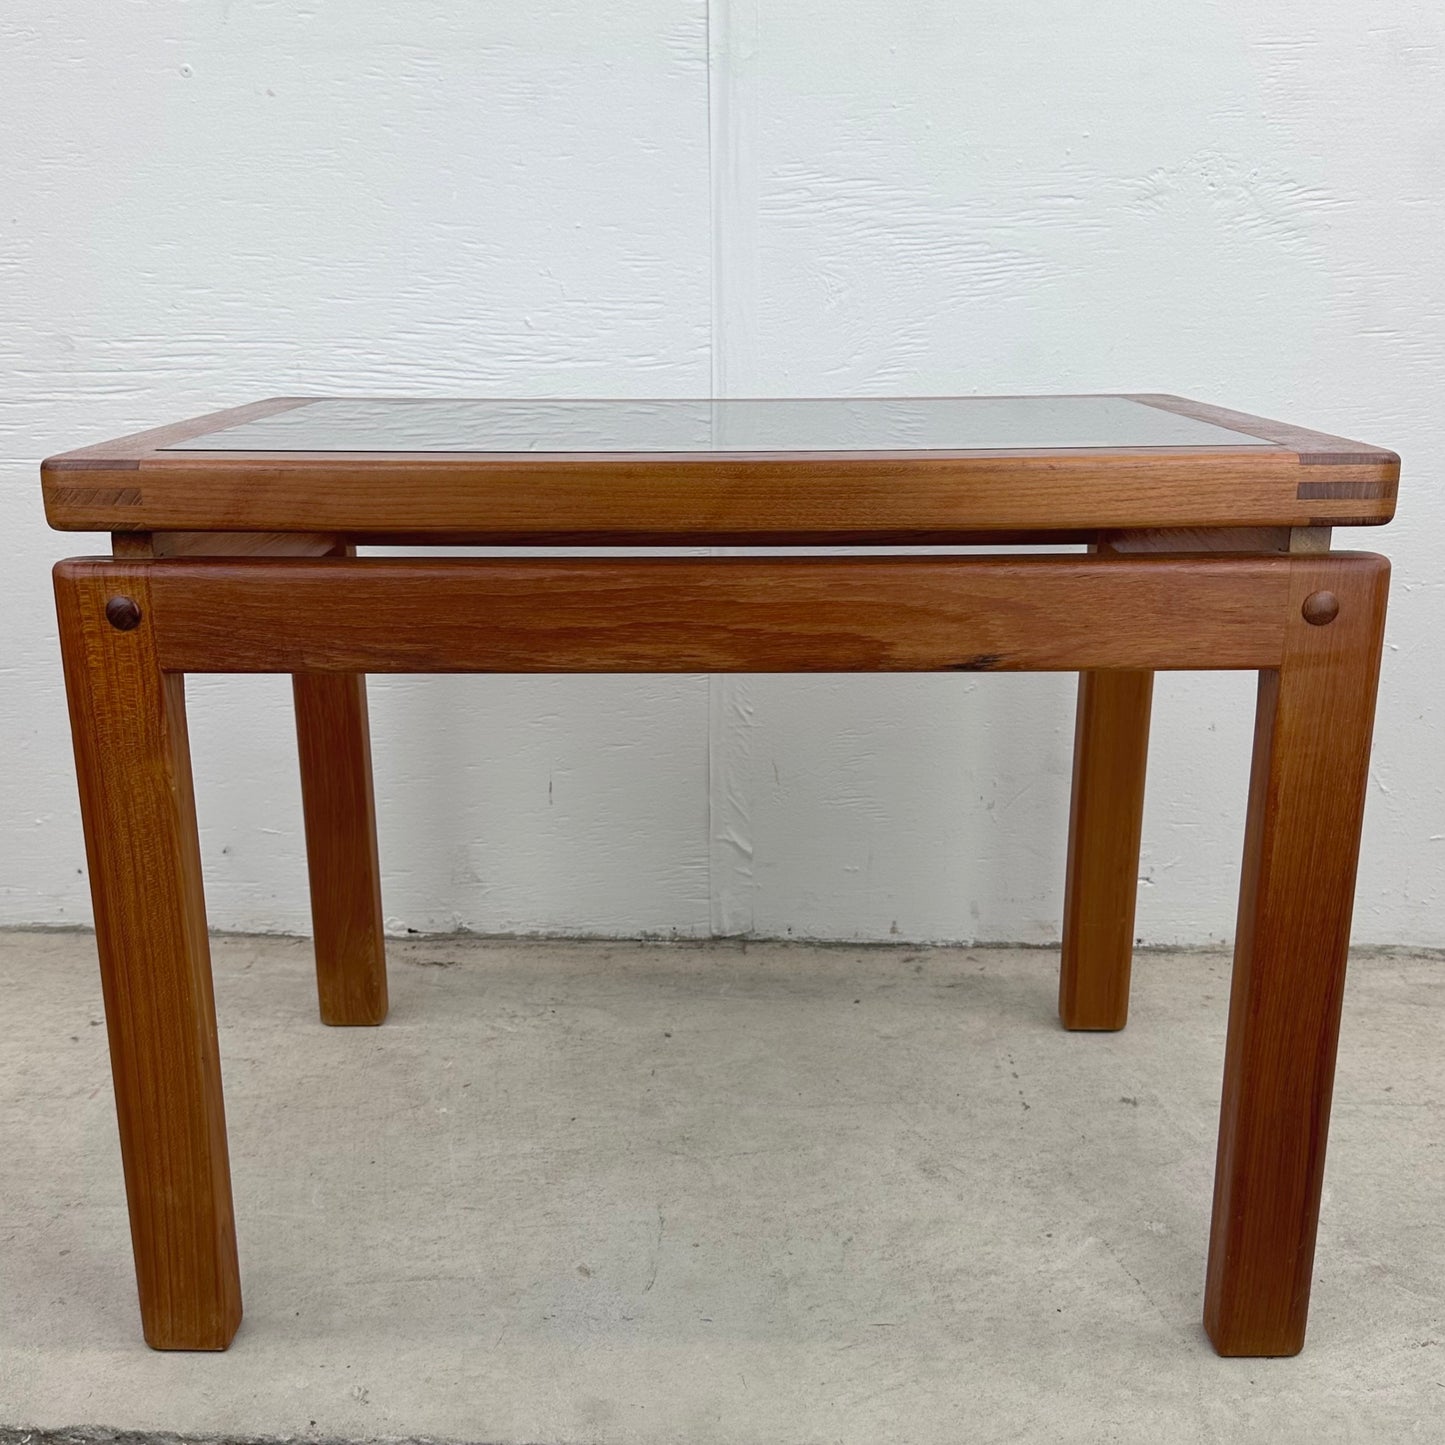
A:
[882, 424]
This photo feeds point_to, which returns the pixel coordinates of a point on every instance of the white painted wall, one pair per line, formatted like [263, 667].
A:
[201, 203]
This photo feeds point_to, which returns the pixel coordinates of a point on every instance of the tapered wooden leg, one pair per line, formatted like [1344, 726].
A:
[337, 799]
[133, 761]
[1307, 793]
[1111, 744]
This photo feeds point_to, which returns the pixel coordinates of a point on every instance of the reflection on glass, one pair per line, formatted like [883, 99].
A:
[982, 423]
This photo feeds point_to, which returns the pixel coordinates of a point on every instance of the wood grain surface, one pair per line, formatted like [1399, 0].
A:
[132, 760]
[339, 808]
[813, 614]
[1302, 839]
[1106, 818]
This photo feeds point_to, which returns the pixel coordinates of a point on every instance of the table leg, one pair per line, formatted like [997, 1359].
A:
[1111, 744]
[128, 721]
[1302, 835]
[340, 812]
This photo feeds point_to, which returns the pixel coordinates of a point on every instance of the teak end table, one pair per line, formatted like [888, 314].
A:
[1208, 546]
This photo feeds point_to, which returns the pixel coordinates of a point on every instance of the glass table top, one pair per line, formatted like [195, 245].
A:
[871, 424]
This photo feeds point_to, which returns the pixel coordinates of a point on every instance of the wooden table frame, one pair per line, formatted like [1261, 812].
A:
[1209, 553]
[1308, 621]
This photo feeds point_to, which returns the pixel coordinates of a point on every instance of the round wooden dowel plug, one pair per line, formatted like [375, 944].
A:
[123, 613]
[1320, 608]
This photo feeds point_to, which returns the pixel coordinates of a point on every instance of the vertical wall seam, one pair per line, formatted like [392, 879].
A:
[710, 821]
[715, 701]
[712, 205]
[732, 40]
[731, 35]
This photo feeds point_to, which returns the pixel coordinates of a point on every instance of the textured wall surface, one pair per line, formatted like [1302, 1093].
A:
[203, 203]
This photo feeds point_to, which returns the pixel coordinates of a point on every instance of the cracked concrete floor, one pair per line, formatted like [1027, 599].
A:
[721, 1192]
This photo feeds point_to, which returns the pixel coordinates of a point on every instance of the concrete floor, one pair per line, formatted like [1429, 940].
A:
[762, 1193]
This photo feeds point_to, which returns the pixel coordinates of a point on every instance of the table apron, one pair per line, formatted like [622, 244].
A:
[721, 614]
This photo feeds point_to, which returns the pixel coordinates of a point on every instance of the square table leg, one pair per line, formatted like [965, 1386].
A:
[132, 758]
[1302, 840]
[339, 806]
[1106, 814]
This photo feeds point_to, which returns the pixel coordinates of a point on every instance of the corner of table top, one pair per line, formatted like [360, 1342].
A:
[1313, 448]
[126, 452]
[90, 488]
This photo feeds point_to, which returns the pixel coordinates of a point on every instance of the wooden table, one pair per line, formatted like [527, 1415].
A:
[1208, 546]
